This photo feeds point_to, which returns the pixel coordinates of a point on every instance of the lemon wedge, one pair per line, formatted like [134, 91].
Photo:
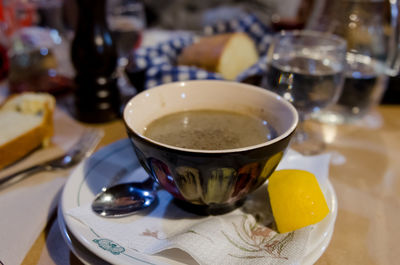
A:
[296, 199]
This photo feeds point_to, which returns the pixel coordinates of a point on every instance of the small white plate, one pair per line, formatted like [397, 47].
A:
[116, 160]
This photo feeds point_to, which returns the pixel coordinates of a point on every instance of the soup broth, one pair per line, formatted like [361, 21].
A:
[210, 130]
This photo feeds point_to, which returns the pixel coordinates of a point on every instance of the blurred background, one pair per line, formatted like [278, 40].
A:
[35, 35]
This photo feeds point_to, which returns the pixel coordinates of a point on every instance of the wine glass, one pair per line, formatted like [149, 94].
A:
[307, 69]
[127, 21]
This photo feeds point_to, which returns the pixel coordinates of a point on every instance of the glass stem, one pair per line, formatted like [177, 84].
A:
[301, 134]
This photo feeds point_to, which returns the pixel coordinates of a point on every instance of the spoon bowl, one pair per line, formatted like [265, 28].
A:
[125, 199]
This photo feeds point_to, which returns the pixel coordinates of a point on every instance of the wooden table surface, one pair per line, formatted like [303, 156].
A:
[365, 173]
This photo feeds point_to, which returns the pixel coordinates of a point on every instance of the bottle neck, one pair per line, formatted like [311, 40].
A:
[92, 11]
[93, 50]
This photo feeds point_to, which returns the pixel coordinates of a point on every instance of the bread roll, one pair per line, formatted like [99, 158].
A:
[228, 54]
[26, 122]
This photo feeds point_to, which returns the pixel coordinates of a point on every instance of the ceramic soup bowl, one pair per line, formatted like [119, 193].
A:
[209, 181]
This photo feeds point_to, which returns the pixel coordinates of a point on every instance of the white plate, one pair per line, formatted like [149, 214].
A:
[82, 253]
[87, 257]
[116, 160]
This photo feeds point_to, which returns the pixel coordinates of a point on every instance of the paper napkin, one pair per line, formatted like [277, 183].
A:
[239, 237]
[26, 207]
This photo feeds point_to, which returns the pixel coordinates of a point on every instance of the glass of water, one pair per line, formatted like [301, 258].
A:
[307, 69]
[372, 31]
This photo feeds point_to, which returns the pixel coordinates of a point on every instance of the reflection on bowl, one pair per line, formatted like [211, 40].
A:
[209, 181]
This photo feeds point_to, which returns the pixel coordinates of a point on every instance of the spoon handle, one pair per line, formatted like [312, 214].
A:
[150, 183]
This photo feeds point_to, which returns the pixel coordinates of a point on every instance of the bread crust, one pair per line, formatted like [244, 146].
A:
[47, 126]
[218, 53]
[205, 53]
[25, 143]
[17, 148]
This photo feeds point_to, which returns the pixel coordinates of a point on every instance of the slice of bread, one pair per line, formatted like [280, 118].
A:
[228, 54]
[26, 122]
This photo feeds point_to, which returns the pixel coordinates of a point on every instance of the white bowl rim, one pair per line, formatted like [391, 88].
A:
[282, 136]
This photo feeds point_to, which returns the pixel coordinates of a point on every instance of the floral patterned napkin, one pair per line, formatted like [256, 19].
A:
[243, 236]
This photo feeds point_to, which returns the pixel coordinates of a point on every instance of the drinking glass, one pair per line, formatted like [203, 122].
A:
[306, 68]
[372, 31]
[126, 20]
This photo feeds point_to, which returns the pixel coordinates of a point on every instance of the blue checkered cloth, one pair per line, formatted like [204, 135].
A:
[160, 61]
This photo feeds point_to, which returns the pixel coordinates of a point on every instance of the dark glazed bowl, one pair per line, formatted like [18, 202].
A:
[209, 181]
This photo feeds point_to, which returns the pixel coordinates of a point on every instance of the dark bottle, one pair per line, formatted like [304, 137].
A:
[94, 57]
[4, 64]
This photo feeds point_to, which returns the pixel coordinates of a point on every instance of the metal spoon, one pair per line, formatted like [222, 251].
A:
[125, 199]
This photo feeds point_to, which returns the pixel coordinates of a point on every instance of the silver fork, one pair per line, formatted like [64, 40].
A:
[80, 150]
